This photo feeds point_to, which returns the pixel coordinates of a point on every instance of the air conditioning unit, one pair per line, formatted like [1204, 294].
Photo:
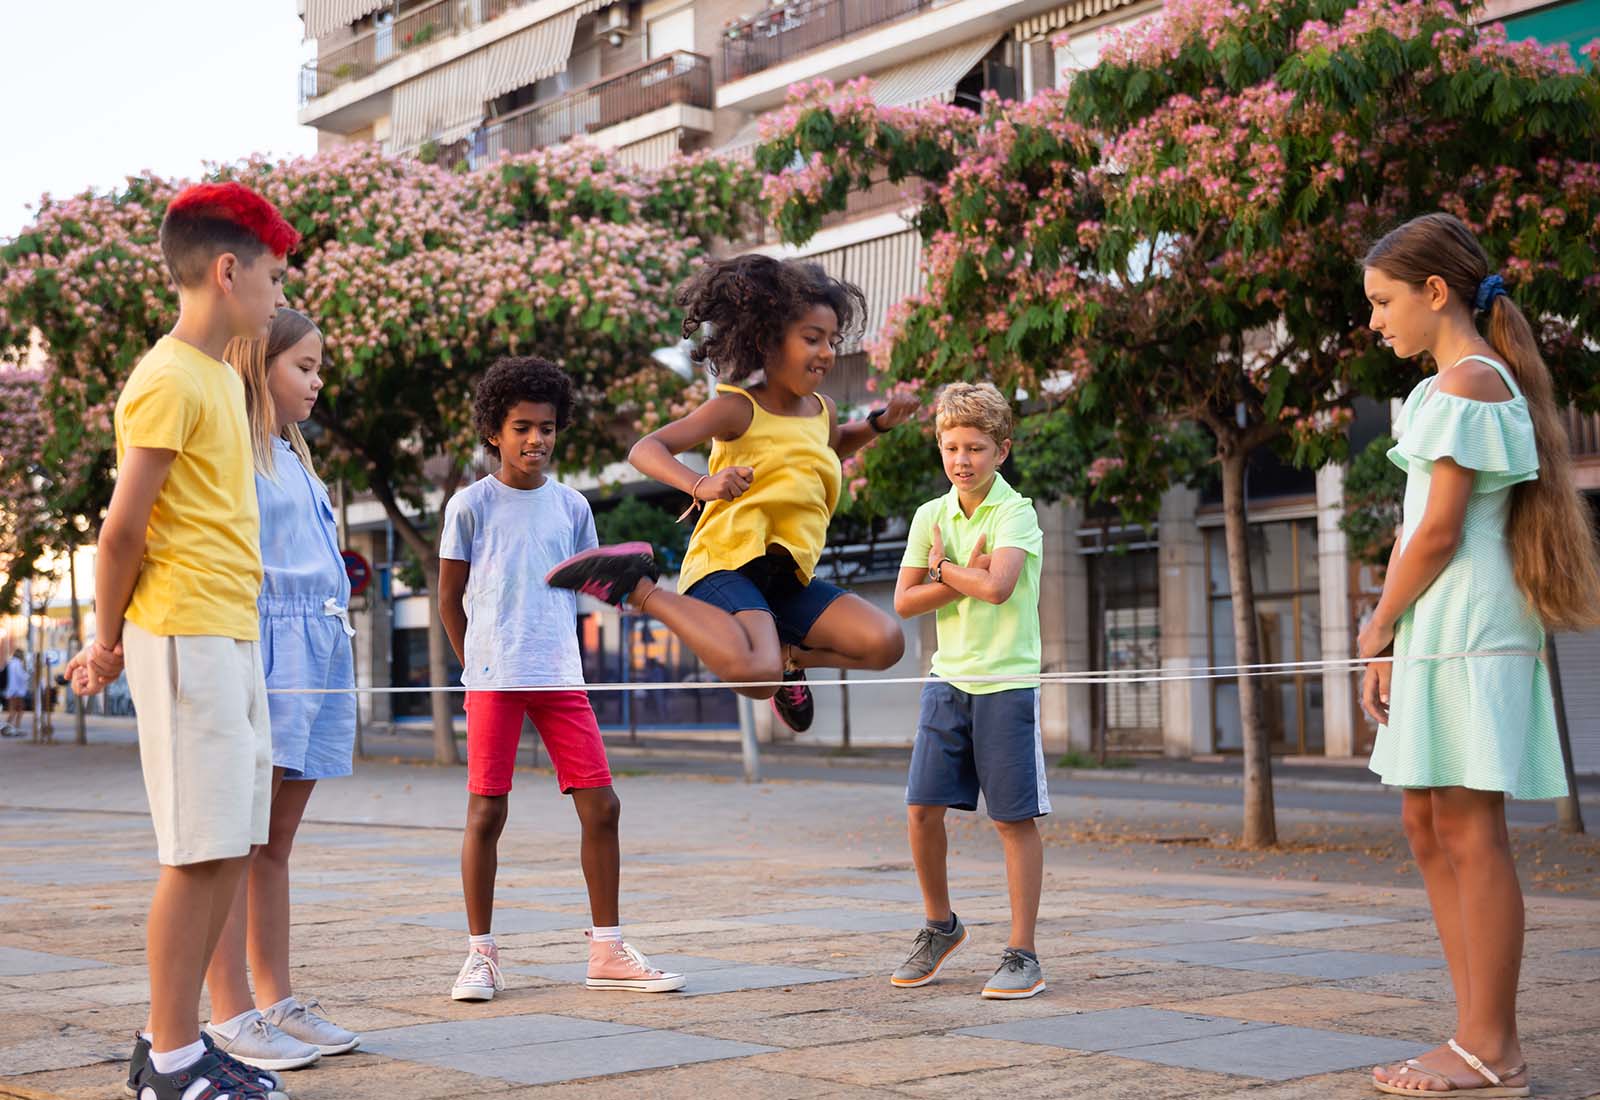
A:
[612, 24]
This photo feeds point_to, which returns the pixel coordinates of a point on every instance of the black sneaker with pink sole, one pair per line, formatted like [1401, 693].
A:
[793, 702]
[607, 573]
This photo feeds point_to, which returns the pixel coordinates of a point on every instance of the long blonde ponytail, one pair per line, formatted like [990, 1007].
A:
[252, 359]
[1554, 555]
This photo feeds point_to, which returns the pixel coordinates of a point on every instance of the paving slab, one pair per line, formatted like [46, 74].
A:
[54, 873]
[597, 1056]
[15, 961]
[1113, 1029]
[1333, 965]
[1208, 892]
[1277, 1053]
[888, 891]
[705, 976]
[1302, 920]
[841, 920]
[1213, 953]
[506, 920]
[1179, 932]
[425, 1042]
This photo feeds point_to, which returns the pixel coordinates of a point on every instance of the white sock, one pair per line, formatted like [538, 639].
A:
[485, 941]
[171, 1061]
[606, 935]
[147, 1036]
[229, 1029]
[287, 1003]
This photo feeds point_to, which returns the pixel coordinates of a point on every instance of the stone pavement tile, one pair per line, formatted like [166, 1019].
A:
[566, 895]
[675, 859]
[360, 1076]
[1559, 970]
[1208, 892]
[505, 920]
[79, 874]
[1278, 1053]
[135, 992]
[432, 1041]
[1305, 1005]
[886, 1062]
[1302, 920]
[572, 1059]
[18, 961]
[316, 895]
[840, 920]
[1139, 914]
[63, 1048]
[812, 1029]
[1205, 954]
[1100, 1076]
[1414, 938]
[1114, 1030]
[887, 891]
[706, 976]
[20, 1001]
[1584, 952]
[1425, 985]
[1180, 932]
[701, 1081]
[1335, 965]
[1350, 1084]
[8, 900]
[1565, 1067]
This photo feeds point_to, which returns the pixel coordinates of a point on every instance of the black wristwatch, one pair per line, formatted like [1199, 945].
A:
[872, 420]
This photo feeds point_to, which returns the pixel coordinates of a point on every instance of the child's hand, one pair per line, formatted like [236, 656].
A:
[898, 411]
[95, 667]
[729, 484]
[979, 559]
[1375, 691]
[935, 550]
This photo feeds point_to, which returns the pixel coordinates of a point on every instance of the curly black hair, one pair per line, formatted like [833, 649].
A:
[750, 301]
[518, 378]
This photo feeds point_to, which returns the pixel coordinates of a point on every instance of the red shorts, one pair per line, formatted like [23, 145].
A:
[566, 725]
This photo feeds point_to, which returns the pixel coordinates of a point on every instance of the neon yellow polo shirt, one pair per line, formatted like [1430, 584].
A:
[978, 638]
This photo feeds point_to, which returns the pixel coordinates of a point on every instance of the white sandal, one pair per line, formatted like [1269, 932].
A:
[1494, 1089]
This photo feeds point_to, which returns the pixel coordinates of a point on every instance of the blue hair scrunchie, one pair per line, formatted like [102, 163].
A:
[1491, 288]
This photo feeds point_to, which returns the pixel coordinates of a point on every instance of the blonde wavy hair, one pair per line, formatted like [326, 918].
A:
[1553, 550]
[252, 359]
[981, 406]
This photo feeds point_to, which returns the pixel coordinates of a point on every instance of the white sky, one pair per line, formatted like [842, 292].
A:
[92, 91]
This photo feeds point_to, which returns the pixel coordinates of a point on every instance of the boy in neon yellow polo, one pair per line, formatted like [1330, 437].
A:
[973, 558]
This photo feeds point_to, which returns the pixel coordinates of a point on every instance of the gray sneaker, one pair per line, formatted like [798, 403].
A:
[1019, 976]
[307, 1023]
[931, 951]
[263, 1046]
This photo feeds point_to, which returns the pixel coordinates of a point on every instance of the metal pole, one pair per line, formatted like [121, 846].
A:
[79, 719]
[747, 740]
[1569, 814]
[627, 677]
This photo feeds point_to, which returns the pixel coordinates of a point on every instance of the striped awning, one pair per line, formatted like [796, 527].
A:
[652, 152]
[451, 98]
[887, 270]
[323, 17]
[931, 78]
[1067, 15]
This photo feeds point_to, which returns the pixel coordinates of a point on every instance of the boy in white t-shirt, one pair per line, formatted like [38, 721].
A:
[511, 631]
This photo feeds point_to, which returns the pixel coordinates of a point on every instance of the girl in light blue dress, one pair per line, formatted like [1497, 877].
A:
[1495, 547]
[305, 643]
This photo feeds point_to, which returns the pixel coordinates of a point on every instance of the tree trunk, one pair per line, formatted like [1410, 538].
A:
[79, 719]
[1260, 820]
[444, 722]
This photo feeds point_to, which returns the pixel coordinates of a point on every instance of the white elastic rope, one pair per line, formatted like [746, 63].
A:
[1100, 676]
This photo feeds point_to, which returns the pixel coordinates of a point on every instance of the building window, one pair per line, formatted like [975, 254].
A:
[1125, 631]
[1283, 572]
[670, 33]
[638, 650]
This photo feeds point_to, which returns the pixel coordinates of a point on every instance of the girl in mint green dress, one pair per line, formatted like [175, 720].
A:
[1495, 548]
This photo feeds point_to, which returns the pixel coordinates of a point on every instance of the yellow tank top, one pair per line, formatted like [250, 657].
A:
[788, 505]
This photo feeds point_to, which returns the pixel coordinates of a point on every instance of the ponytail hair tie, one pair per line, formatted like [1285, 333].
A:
[1491, 288]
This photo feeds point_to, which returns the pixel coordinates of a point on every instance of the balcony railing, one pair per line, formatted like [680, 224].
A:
[387, 42]
[680, 77]
[786, 31]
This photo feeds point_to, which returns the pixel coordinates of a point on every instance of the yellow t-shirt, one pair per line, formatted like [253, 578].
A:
[202, 556]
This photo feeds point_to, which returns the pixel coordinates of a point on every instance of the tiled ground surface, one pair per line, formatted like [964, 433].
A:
[787, 905]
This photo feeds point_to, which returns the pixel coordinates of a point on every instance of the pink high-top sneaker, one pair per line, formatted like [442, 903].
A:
[615, 965]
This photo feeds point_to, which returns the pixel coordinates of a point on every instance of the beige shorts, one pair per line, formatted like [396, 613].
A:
[205, 742]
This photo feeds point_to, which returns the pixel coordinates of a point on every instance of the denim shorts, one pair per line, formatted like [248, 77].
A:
[303, 646]
[769, 584]
[970, 743]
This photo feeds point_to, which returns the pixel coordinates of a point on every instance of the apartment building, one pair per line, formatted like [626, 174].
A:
[463, 81]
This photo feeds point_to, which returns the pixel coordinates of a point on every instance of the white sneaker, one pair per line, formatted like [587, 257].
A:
[307, 1023]
[263, 1046]
[479, 979]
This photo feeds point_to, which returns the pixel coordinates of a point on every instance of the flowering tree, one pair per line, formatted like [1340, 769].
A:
[1173, 243]
[419, 279]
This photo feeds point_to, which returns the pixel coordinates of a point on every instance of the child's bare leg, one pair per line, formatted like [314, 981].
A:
[269, 892]
[852, 633]
[929, 851]
[191, 904]
[480, 859]
[1024, 877]
[599, 811]
[737, 648]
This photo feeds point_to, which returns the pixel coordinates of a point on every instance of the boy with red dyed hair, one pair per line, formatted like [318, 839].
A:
[176, 580]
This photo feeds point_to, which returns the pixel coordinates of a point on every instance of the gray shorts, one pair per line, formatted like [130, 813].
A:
[989, 743]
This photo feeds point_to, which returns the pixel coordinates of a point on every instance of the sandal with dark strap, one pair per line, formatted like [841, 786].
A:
[220, 1083]
[1493, 1088]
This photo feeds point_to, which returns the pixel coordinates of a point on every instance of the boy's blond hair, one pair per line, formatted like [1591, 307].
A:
[981, 406]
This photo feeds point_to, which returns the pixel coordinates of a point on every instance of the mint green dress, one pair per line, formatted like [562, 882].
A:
[1486, 721]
